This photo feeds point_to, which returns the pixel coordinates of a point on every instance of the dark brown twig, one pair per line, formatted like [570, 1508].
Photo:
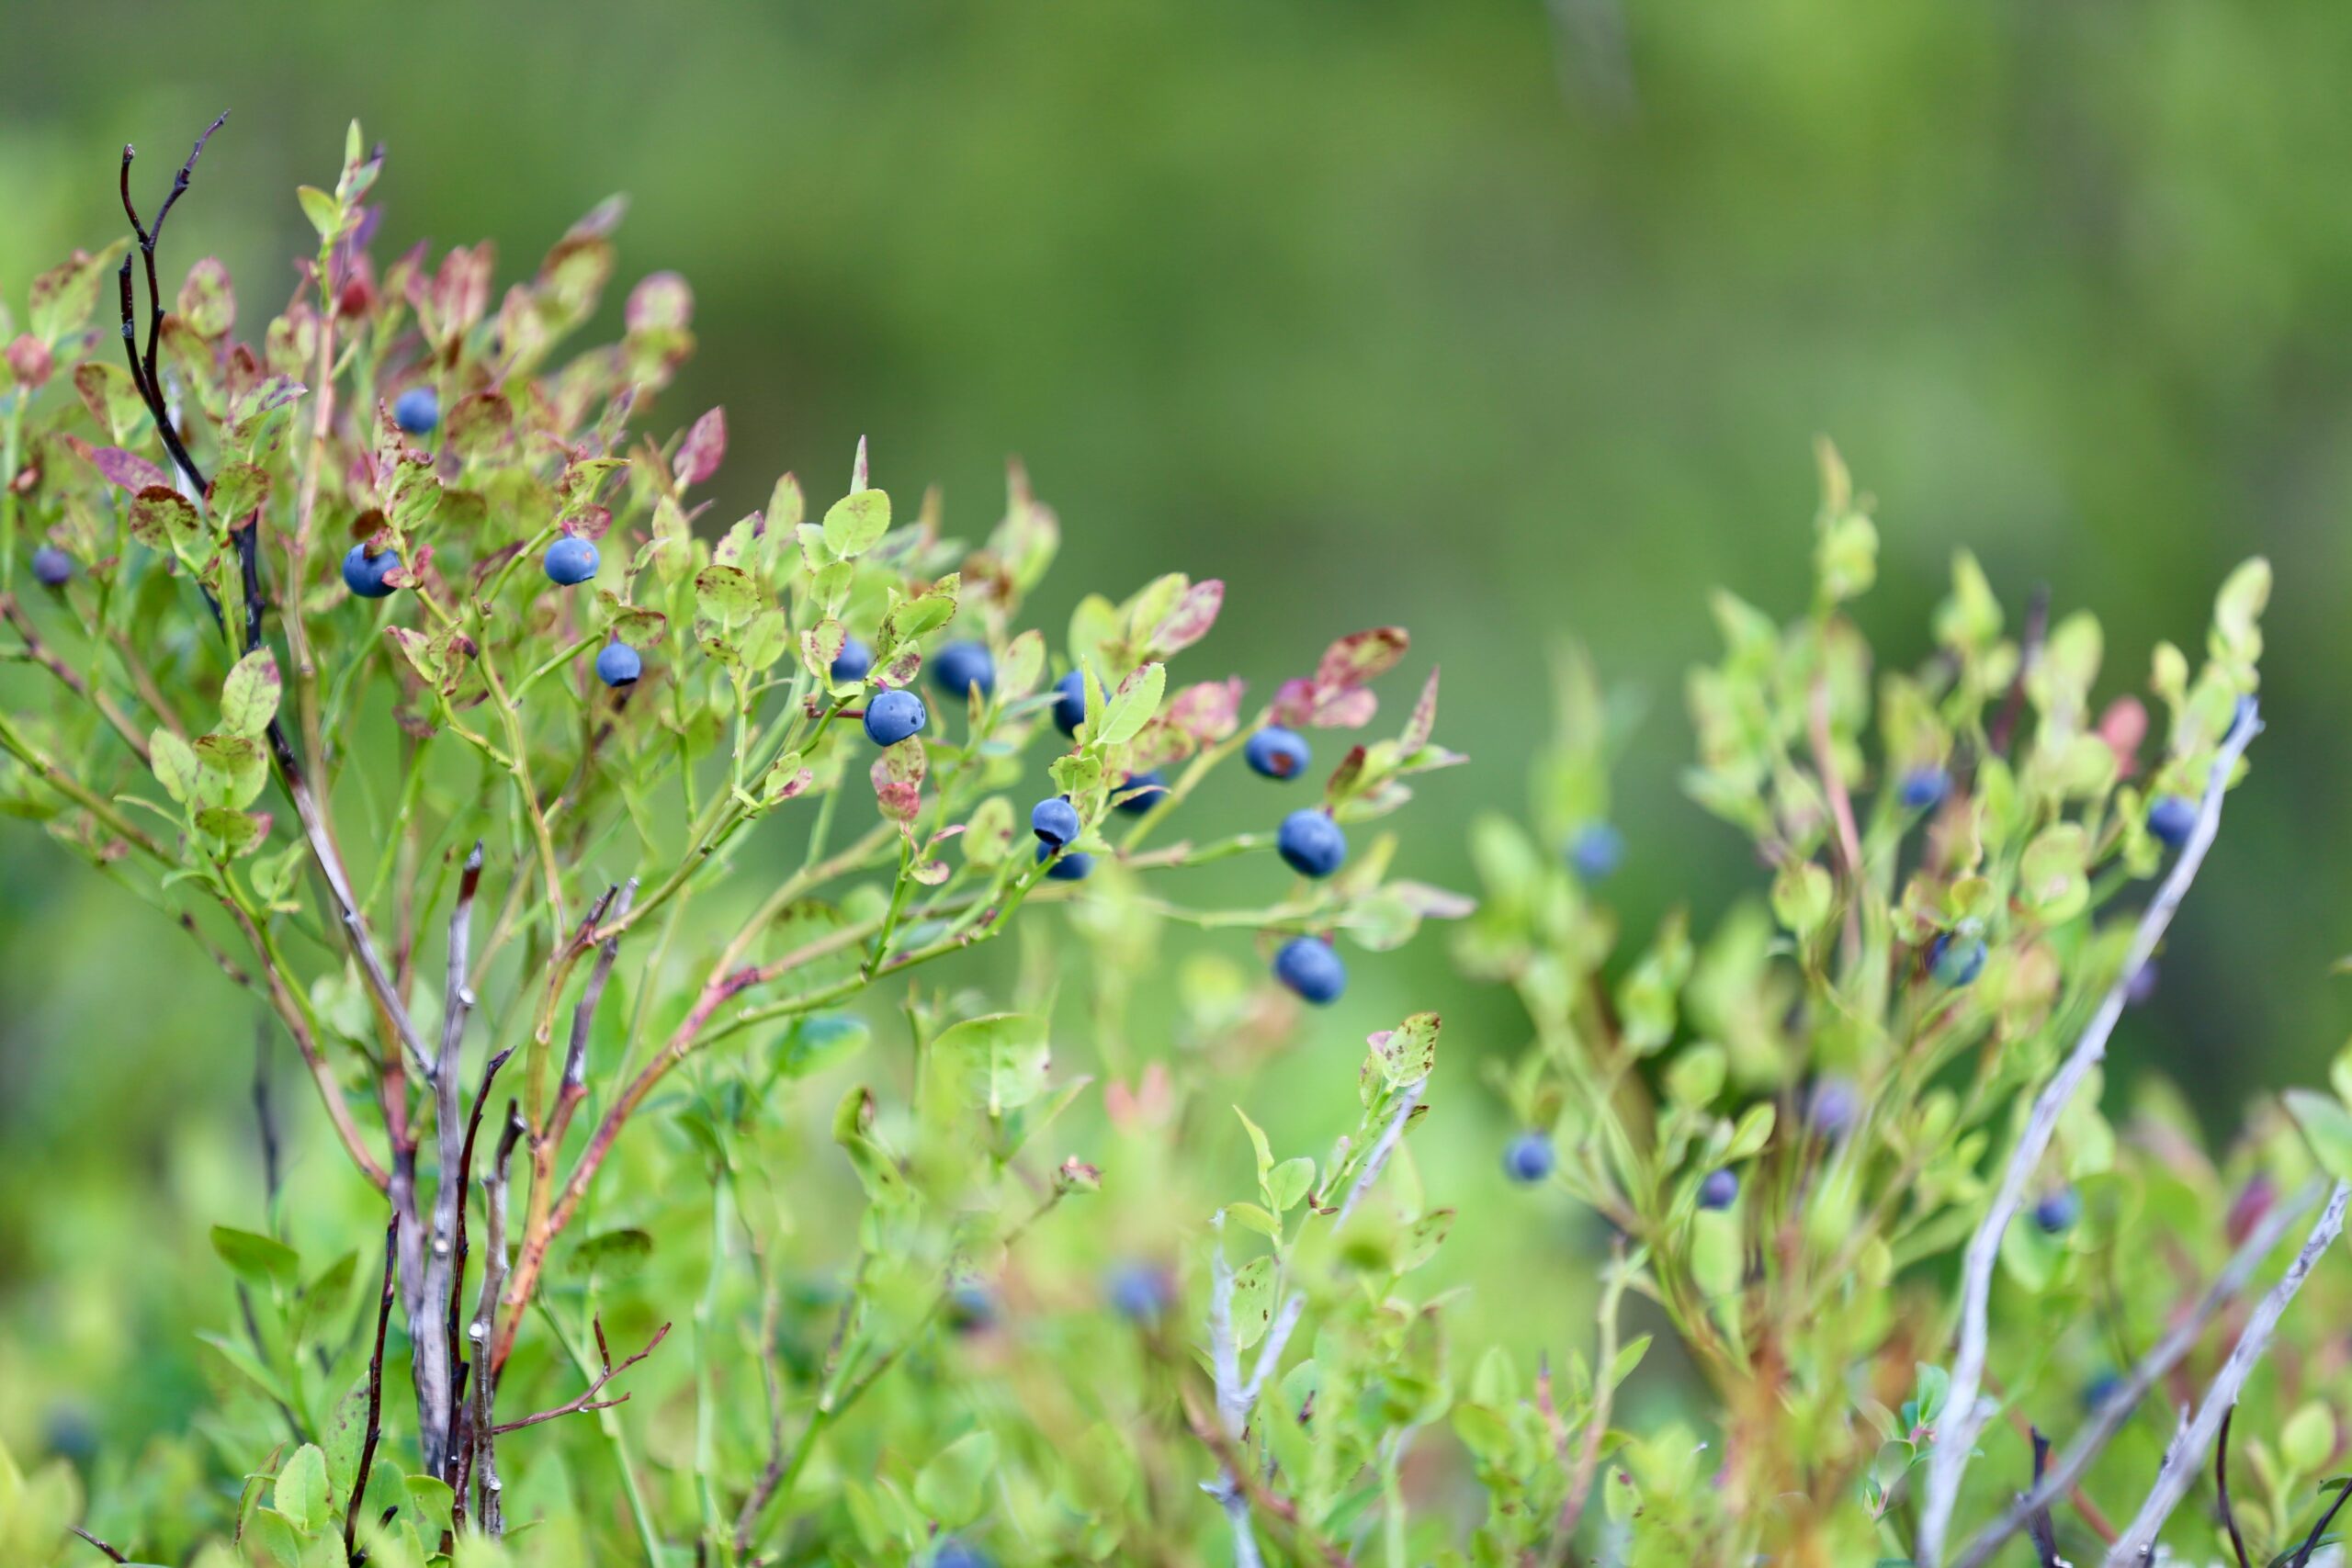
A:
[112, 1555]
[2045, 1533]
[2037, 631]
[375, 1398]
[586, 1399]
[2221, 1488]
[2319, 1525]
[265, 1114]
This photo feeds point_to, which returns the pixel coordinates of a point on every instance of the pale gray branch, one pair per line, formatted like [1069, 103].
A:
[2168, 1352]
[1963, 1419]
[2186, 1457]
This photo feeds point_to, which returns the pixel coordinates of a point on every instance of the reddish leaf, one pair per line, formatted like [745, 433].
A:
[1419, 728]
[1361, 655]
[1190, 621]
[127, 470]
[704, 446]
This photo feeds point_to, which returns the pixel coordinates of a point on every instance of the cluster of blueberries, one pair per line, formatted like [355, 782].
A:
[1309, 841]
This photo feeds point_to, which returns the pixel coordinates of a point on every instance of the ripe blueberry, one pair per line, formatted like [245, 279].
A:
[953, 1553]
[2170, 818]
[1955, 958]
[1138, 1291]
[1054, 821]
[570, 560]
[1069, 865]
[1138, 793]
[970, 1308]
[1923, 788]
[2058, 1211]
[1308, 965]
[1718, 1190]
[853, 662]
[417, 411]
[891, 717]
[1596, 851]
[1528, 1158]
[1069, 703]
[960, 666]
[364, 574]
[52, 567]
[1831, 1106]
[619, 665]
[1277, 753]
[2099, 1392]
[1310, 842]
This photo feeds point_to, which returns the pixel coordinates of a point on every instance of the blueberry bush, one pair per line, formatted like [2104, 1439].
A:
[672, 1188]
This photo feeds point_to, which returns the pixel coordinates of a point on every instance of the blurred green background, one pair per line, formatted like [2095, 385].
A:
[1499, 319]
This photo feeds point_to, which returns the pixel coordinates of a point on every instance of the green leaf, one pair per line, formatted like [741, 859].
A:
[2307, 1437]
[237, 489]
[1253, 1301]
[855, 524]
[2327, 1127]
[301, 1494]
[726, 594]
[175, 764]
[1407, 1053]
[249, 696]
[270, 1540]
[821, 1040]
[998, 1063]
[611, 1255]
[1265, 1150]
[256, 1259]
[1132, 705]
[324, 212]
[1290, 1181]
[952, 1487]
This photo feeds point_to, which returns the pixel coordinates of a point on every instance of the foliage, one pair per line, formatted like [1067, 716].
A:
[508, 911]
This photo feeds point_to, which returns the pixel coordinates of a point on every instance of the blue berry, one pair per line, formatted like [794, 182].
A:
[570, 560]
[1310, 842]
[1529, 1159]
[2141, 986]
[1277, 753]
[1955, 958]
[1138, 793]
[619, 665]
[2100, 1392]
[2170, 818]
[364, 574]
[1718, 1190]
[1069, 865]
[960, 666]
[970, 1308]
[1054, 821]
[1139, 1293]
[2058, 1211]
[417, 411]
[1831, 1106]
[1308, 965]
[1923, 788]
[953, 1553]
[1069, 703]
[891, 717]
[1596, 851]
[52, 567]
[853, 662]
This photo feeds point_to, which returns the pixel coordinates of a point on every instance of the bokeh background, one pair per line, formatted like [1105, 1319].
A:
[1505, 320]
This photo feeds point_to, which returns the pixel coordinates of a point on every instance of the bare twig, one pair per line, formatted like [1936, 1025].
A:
[1963, 1420]
[2145, 1373]
[482, 1449]
[2186, 1457]
[2045, 1533]
[2319, 1525]
[2221, 1490]
[435, 1355]
[375, 1397]
[586, 1399]
[40, 654]
[112, 1555]
[1597, 1425]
